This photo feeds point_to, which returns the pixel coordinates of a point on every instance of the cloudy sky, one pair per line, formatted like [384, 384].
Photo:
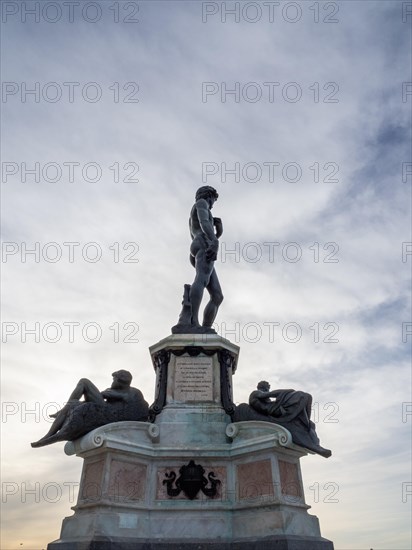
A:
[299, 114]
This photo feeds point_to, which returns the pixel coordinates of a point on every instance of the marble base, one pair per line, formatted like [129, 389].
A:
[273, 543]
[124, 499]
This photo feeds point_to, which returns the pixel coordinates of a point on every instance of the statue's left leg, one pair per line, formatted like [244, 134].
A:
[216, 298]
[47, 440]
[305, 409]
[53, 434]
[85, 388]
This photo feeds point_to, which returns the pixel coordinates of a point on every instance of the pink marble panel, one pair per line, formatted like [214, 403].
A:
[254, 480]
[289, 479]
[127, 481]
[92, 483]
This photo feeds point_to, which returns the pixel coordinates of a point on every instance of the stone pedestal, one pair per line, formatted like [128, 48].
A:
[194, 397]
[191, 479]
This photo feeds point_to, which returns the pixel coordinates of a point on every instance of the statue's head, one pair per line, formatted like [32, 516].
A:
[122, 378]
[207, 192]
[263, 386]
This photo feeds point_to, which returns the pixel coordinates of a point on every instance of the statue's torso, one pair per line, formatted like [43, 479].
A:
[194, 224]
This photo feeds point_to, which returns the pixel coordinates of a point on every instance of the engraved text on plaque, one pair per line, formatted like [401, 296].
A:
[194, 379]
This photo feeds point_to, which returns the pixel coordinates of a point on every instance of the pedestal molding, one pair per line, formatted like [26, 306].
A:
[145, 432]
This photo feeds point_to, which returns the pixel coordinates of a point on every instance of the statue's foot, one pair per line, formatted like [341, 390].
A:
[208, 330]
[38, 443]
[47, 440]
[192, 329]
[324, 452]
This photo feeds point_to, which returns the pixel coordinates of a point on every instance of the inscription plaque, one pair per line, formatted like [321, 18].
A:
[194, 379]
